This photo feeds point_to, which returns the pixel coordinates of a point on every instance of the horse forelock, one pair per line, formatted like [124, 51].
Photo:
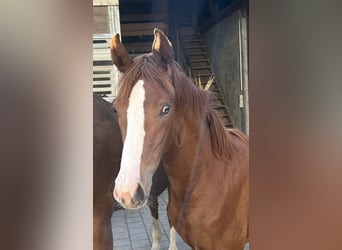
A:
[145, 68]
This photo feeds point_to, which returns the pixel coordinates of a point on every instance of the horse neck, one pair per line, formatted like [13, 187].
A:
[184, 157]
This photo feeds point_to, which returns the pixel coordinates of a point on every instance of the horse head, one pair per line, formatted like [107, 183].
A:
[145, 114]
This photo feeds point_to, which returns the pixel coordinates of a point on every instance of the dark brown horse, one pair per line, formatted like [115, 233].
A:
[107, 148]
[164, 117]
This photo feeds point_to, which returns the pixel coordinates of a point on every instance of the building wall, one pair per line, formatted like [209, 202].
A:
[222, 43]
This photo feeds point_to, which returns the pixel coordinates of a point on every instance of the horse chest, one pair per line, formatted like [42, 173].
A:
[205, 224]
[197, 223]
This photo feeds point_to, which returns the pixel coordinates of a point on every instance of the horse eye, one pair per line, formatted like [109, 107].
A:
[165, 109]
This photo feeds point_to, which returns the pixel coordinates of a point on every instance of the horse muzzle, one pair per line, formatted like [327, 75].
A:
[132, 198]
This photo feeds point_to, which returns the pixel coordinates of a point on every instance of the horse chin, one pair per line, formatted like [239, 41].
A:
[134, 206]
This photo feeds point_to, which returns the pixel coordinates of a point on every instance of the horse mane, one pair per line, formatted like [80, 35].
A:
[202, 102]
[184, 93]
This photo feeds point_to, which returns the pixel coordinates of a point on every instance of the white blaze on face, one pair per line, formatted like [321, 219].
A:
[129, 173]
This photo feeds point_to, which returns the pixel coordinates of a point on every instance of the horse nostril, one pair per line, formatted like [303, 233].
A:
[139, 194]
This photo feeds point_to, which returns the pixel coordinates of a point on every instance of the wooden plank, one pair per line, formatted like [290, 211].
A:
[138, 47]
[101, 53]
[105, 2]
[103, 68]
[111, 89]
[142, 26]
[100, 72]
[104, 58]
[142, 17]
[103, 84]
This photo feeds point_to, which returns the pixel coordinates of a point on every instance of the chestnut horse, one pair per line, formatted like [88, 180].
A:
[107, 148]
[164, 117]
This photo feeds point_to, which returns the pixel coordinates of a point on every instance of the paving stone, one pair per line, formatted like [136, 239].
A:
[141, 244]
[122, 243]
[123, 248]
[118, 236]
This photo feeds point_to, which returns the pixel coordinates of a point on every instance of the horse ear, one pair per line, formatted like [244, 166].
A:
[120, 56]
[162, 46]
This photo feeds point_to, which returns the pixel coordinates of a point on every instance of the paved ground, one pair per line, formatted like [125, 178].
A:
[132, 229]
